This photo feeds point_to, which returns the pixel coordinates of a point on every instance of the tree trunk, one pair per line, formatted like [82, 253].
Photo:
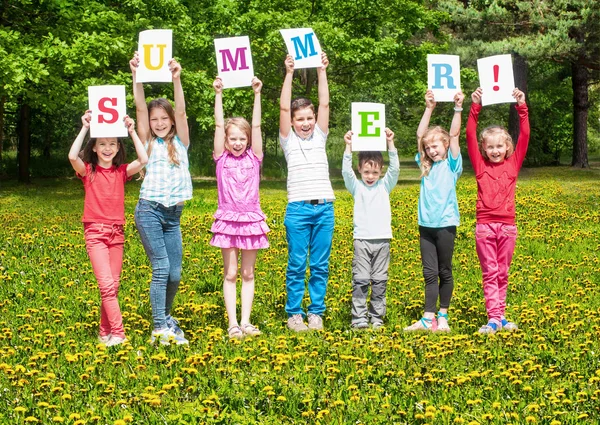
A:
[2, 103]
[520, 73]
[579, 77]
[24, 149]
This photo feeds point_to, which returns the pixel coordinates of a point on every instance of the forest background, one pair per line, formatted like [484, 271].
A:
[51, 50]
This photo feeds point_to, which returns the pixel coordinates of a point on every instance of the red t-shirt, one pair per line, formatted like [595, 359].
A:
[104, 194]
[496, 183]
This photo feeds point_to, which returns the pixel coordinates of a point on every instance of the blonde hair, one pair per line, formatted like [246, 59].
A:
[432, 133]
[243, 125]
[496, 131]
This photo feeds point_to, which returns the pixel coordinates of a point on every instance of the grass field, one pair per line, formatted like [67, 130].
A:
[52, 369]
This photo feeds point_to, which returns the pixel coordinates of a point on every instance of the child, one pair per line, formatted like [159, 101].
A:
[167, 184]
[239, 221]
[438, 211]
[102, 168]
[309, 213]
[372, 229]
[496, 163]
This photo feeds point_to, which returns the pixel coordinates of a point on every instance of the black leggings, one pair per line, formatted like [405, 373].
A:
[437, 247]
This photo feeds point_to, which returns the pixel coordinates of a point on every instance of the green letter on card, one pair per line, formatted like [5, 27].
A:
[365, 123]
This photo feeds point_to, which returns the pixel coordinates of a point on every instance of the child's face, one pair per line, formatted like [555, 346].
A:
[106, 148]
[304, 121]
[370, 173]
[160, 122]
[436, 150]
[236, 141]
[495, 149]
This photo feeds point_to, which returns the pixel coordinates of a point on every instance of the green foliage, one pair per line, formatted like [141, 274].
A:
[52, 370]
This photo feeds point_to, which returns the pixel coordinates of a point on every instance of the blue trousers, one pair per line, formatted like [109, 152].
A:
[160, 233]
[309, 233]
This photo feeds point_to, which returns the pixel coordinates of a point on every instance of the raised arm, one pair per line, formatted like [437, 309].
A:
[76, 162]
[181, 123]
[323, 114]
[143, 122]
[257, 143]
[472, 145]
[285, 100]
[456, 122]
[350, 179]
[391, 177]
[424, 124]
[524, 130]
[219, 141]
[135, 166]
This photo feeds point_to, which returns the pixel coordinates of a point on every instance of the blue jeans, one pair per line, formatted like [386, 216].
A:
[160, 233]
[309, 233]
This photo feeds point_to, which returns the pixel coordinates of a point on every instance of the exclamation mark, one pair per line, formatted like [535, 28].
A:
[496, 72]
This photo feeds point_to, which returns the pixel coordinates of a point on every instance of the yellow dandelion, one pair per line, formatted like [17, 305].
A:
[31, 419]
[530, 420]
[120, 422]
[20, 409]
[281, 398]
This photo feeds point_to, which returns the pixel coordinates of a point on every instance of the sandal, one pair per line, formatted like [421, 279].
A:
[445, 327]
[423, 325]
[250, 330]
[235, 332]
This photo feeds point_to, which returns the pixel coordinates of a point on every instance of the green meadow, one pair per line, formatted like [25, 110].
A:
[52, 369]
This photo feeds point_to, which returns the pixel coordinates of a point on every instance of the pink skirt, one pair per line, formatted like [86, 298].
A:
[240, 230]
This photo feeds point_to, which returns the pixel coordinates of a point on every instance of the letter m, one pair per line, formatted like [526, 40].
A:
[307, 49]
[240, 56]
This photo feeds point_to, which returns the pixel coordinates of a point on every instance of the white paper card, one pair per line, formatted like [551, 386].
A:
[496, 79]
[303, 45]
[155, 48]
[368, 127]
[108, 110]
[443, 76]
[234, 61]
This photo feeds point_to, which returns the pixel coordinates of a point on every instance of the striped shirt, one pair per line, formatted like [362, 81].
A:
[308, 168]
[167, 183]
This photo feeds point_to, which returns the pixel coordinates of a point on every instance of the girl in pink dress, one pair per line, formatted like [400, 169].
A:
[239, 221]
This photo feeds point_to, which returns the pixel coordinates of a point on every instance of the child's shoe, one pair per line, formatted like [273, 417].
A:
[422, 325]
[442, 324]
[235, 332]
[166, 336]
[115, 340]
[376, 325]
[315, 322]
[296, 323]
[103, 339]
[173, 324]
[250, 330]
[490, 328]
[359, 326]
[508, 326]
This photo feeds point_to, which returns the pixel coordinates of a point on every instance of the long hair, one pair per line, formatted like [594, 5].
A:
[243, 125]
[432, 133]
[88, 155]
[171, 149]
[496, 131]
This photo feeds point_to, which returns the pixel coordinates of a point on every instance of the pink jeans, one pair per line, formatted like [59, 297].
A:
[104, 244]
[495, 243]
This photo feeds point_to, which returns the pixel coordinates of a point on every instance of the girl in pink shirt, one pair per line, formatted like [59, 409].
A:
[102, 168]
[496, 163]
[239, 228]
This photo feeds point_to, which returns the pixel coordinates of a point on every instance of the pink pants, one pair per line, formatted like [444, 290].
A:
[104, 244]
[495, 243]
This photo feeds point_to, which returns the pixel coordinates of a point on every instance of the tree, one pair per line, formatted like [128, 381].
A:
[541, 31]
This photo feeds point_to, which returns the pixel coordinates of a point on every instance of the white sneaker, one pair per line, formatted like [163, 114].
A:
[115, 340]
[296, 323]
[315, 322]
[166, 336]
[104, 339]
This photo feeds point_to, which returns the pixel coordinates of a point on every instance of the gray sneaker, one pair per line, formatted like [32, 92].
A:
[296, 323]
[315, 322]
[167, 336]
[173, 324]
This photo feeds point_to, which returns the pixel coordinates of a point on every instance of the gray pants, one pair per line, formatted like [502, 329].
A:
[369, 268]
